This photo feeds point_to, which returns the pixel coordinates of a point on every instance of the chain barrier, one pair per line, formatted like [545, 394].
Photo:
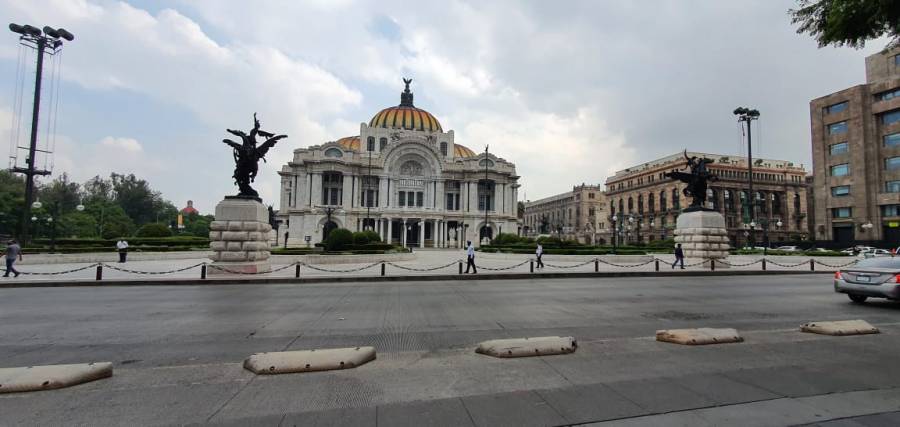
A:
[505, 268]
[628, 265]
[249, 273]
[836, 266]
[56, 273]
[352, 270]
[788, 265]
[125, 270]
[423, 269]
[722, 261]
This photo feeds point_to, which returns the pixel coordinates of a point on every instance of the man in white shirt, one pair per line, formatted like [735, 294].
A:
[539, 251]
[122, 246]
[470, 255]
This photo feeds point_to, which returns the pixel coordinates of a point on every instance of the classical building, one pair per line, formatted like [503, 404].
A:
[404, 177]
[645, 203]
[856, 156]
[574, 215]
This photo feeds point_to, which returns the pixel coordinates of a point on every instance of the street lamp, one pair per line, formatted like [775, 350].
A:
[747, 115]
[615, 231]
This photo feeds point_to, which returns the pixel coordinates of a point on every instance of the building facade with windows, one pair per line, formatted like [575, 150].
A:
[856, 157]
[643, 204]
[404, 177]
[574, 215]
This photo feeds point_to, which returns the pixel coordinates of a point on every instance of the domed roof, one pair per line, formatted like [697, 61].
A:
[350, 143]
[406, 115]
[462, 151]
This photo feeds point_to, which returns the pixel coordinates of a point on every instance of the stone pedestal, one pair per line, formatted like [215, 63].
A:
[239, 237]
[702, 235]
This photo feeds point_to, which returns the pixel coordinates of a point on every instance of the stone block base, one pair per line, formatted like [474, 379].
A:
[702, 234]
[239, 238]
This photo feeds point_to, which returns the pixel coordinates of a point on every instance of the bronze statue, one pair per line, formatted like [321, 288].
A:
[696, 180]
[247, 156]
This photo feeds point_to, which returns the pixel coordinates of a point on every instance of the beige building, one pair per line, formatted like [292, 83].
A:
[856, 157]
[645, 203]
[574, 215]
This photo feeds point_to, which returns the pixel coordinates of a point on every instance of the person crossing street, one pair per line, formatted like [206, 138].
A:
[538, 252]
[13, 250]
[470, 257]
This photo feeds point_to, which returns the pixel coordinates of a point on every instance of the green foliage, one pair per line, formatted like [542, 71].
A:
[338, 239]
[77, 224]
[506, 239]
[12, 198]
[847, 22]
[365, 237]
[197, 225]
[153, 229]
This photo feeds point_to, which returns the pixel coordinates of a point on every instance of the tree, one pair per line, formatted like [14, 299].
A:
[848, 22]
[197, 225]
[12, 198]
[61, 196]
[77, 224]
[153, 229]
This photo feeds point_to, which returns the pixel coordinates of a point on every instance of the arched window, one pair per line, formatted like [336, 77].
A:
[776, 204]
[630, 204]
[334, 152]
[662, 201]
[621, 206]
[797, 203]
[612, 208]
[650, 204]
[444, 148]
[382, 143]
[760, 200]
[729, 201]
[370, 143]
[640, 204]
[713, 196]
[676, 203]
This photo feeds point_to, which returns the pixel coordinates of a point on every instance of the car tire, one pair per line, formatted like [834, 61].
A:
[857, 298]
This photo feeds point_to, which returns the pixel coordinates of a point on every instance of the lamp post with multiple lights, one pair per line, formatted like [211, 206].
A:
[747, 115]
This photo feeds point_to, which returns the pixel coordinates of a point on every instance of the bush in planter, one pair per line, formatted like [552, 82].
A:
[153, 229]
[339, 239]
[366, 237]
[504, 239]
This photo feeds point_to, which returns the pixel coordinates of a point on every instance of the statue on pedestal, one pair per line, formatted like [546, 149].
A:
[247, 156]
[697, 181]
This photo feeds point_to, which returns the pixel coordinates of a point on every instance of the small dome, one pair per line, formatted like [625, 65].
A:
[349, 143]
[406, 115]
[462, 151]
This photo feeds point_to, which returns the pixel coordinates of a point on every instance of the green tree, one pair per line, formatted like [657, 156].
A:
[197, 225]
[12, 198]
[847, 22]
[60, 196]
[153, 229]
[339, 239]
[77, 224]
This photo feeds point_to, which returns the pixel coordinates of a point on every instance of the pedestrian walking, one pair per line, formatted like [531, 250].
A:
[470, 256]
[679, 256]
[122, 246]
[538, 252]
[13, 251]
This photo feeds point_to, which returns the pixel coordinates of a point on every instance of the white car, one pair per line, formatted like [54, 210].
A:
[787, 248]
[875, 253]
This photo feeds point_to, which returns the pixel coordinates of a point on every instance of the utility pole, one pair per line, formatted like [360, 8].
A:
[32, 36]
[748, 115]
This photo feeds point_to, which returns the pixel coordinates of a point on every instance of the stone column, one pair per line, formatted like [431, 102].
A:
[382, 192]
[316, 189]
[347, 192]
[422, 233]
[439, 243]
[441, 198]
[403, 233]
[390, 231]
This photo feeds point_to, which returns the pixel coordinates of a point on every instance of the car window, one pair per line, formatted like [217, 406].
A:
[880, 263]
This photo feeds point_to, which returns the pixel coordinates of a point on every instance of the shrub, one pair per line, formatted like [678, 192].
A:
[338, 239]
[366, 237]
[153, 229]
[506, 239]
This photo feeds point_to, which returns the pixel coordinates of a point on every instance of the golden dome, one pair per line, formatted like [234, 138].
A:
[350, 143]
[406, 115]
[462, 151]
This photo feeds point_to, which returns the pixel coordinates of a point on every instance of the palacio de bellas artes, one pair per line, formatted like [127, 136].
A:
[404, 177]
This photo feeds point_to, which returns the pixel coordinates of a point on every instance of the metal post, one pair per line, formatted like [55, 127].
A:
[532, 266]
[382, 269]
[460, 267]
[764, 264]
[812, 265]
[99, 275]
[657, 264]
[203, 272]
[297, 271]
[712, 264]
[596, 265]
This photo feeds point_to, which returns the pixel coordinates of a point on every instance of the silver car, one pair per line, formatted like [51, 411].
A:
[871, 277]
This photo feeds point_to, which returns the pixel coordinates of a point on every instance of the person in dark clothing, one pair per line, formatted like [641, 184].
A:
[470, 257]
[13, 251]
[679, 256]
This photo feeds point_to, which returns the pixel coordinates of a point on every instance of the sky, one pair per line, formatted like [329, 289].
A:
[569, 91]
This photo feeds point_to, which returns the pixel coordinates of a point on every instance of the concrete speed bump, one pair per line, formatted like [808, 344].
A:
[700, 336]
[286, 362]
[840, 327]
[34, 378]
[524, 347]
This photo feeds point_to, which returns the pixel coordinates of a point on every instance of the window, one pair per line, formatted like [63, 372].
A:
[890, 210]
[891, 94]
[485, 195]
[892, 187]
[841, 212]
[333, 152]
[444, 148]
[840, 170]
[420, 199]
[839, 148]
[382, 143]
[890, 117]
[402, 198]
[650, 204]
[836, 128]
[590, 195]
[410, 198]
[892, 163]
[676, 203]
[896, 59]
[841, 190]
[332, 186]
[662, 201]
[892, 140]
[370, 143]
[836, 108]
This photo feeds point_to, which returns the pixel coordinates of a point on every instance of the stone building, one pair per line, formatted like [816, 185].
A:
[856, 157]
[646, 203]
[574, 215]
[404, 177]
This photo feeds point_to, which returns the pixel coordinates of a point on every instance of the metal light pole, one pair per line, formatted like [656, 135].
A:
[615, 231]
[748, 115]
[41, 41]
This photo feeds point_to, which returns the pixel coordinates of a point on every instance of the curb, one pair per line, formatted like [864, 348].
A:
[407, 278]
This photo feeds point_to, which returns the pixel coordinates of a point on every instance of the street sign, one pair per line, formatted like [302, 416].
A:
[307, 238]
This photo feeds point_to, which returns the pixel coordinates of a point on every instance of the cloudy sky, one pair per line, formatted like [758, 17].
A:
[568, 91]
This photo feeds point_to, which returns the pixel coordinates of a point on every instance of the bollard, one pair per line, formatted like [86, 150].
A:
[596, 265]
[382, 269]
[460, 267]
[532, 266]
[203, 272]
[712, 264]
[297, 271]
[812, 265]
[657, 264]
[764, 264]
[99, 272]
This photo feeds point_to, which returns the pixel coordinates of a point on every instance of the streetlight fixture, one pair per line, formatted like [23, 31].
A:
[747, 115]
[51, 39]
[615, 231]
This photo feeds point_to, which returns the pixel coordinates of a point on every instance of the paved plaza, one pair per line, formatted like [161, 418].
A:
[178, 352]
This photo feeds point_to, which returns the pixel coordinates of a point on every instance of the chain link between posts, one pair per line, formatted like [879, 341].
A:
[402, 267]
[56, 273]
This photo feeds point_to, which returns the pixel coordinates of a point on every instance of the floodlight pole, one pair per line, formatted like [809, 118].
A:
[748, 115]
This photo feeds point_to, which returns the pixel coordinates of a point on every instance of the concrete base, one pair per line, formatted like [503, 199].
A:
[35, 378]
[702, 234]
[527, 347]
[286, 362]
[239, 238]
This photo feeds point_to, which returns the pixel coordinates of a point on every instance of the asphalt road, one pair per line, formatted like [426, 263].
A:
[178, 351]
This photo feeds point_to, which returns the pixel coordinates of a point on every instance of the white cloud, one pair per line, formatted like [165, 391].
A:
[128, 145]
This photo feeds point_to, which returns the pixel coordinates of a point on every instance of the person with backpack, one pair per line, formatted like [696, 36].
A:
[13, 251]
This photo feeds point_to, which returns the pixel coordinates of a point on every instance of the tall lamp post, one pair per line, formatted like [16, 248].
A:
[747, 115]
[41, 41]
[615, 231]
